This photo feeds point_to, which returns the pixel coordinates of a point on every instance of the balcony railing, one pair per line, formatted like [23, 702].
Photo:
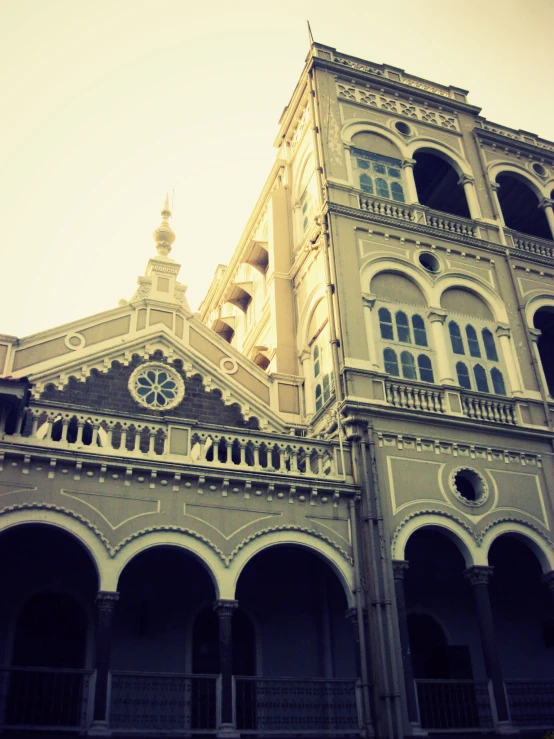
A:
[531, 702]
[531, 244]
[296, 706]
[414, 397]
[488, 408]
[163, 701]
[45, 698]
[202, 445]
[454, 704]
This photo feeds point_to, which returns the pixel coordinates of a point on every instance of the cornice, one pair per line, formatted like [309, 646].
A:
[435, 233]
[514, 144]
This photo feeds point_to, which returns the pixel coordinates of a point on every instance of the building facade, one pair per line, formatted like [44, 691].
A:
[323, 505]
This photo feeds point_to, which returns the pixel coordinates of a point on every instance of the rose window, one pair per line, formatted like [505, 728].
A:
[156, 386]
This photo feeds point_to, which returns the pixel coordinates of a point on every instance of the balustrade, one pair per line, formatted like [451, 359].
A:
[449, 223]
[531, 244]
[40, 697]
[386, 208]
[414, 397]
[454, 704]
[531, 702]
[487, 409]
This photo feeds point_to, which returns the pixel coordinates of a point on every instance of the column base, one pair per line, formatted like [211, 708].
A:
[227, 731]
[506, 727]
[99, 728]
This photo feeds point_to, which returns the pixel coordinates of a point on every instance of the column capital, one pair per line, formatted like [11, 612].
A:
[437, 315]
[535, 334]
[503, 329]
[351, 616]
[495, 187]
[399, 568]
[304, 354]
[478, 575]
[548, 580]
[408, 163]
[106, 600]
[225, 608]
[546, 203]
[466, 179]
[369, 300]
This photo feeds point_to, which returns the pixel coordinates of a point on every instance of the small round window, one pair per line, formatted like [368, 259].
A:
[156, 386]
[538, 169]
[429, 262]
[403, 128]
[469, 487]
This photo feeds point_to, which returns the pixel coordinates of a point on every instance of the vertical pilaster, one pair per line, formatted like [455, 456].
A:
[399, 567]
[534, 335]
[411, 190]
[437, 317]
[546, 205]
[468, 184]
[478, 577]
[105, 606]
[225, 610]
[510, 360]
[305, 357]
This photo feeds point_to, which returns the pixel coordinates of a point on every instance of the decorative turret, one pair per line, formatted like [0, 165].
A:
[164, 236]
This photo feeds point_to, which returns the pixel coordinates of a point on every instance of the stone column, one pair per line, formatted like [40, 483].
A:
[548, 580]
[495, 187]
[535, 334]
[225, 610]
[368, 301]
[469, 190]
[351, 616]
[441, 344]
[105, 605]
[399, 567]
[546, 205]
[478, 577]
[305, 357]
[411, 190]
[503, 333]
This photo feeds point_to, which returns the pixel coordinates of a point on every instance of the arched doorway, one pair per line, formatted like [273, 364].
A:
[46, 617]
[544, 321]
[437, 185]
[520, 206]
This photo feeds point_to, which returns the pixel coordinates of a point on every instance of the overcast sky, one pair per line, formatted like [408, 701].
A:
[108, 103]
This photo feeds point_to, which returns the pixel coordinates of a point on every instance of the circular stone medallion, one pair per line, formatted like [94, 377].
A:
[156, 386]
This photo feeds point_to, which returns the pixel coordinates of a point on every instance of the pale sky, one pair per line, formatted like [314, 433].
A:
[106, 104]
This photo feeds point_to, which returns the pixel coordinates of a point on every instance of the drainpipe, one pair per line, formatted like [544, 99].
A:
[360, 617]
[323, 221]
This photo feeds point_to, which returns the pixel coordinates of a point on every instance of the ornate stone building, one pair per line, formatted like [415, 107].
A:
[323, 505]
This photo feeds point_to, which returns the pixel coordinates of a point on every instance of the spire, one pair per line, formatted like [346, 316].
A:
[164, 236]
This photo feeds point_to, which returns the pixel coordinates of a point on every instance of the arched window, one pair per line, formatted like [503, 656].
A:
[490, 347]
[420, 335]
[397, 192]
[317, 365]
[382, 187]
[481, 378]
[498, 381]
[366, 183]
[463, 375]
[326, 388]
[456, 338]
[318, 397]
[425, 368]
[403, 327]
[385, 323]
[408, 366]
[472, 341]
[391, 362]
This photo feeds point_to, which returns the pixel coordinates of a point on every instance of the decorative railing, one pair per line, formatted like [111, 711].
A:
[296, 705]
[388, 208]
[451, 224]
[227, 448]
[414, 397]
[531, 702]
[531, 244]
[454, 704]
[488, 409]
[45, 698]
[163, 701]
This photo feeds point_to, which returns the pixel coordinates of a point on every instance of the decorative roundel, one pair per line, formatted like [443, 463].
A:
[156, 386]
[469, 487]
[228, 365]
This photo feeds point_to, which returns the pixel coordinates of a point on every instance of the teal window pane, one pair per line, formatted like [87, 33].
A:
[420, 335]
[382, 188]
[490, 347]
[481, 379]
[385, 324]
[456, 338]
[397, 192]
[408, 366]
[425, 368]
[472, 341]
[391, 362]
[380, 168]
[403, 327]
[362, 164]
[366, 183]
[393, 172]
[498, 381]
[463, 375]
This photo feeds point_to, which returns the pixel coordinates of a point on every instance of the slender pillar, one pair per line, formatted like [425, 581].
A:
[105, 605]
[548, 580]
[411, 190]
[225, 610]
[534, 335]
[469, 190]
[368, 302]
[437, 317]
[399, 567]
[305, 357]
[478, 577]
[546, 205]
[510, 360]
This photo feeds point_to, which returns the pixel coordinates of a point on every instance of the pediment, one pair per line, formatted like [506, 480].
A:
[198, 353]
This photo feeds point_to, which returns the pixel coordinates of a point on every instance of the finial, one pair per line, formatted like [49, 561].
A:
[164, 236]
